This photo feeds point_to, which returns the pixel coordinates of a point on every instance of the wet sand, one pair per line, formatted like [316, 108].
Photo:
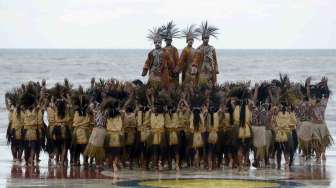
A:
[300, 175]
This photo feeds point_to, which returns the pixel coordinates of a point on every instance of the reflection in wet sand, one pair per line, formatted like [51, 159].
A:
[54, 172]
[313, 172]
[304, 175]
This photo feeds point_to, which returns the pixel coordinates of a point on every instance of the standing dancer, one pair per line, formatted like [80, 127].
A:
[15, 126]
[184, 113]
[197, 128]
[95, 147]
[51, 112]
[143, 116]
[205, 65]
[259, 121]
[214, 120]
[30, 124]
[170, 31]
[81, 127]
[157, 137]
[157, 62]
[172, 134]
[61, 132]
[243, 119]
[186, 58]
[281, 136]
[130, 131]
[318, 97]
[114, 135]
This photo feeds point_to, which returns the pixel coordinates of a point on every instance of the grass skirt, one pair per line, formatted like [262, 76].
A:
[259, 141]
[96, 152]
[305, 132]
[95, 147]
[114, 139]
[314, 136]
[130, 136]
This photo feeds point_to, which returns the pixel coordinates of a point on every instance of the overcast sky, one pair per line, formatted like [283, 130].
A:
[125, 23]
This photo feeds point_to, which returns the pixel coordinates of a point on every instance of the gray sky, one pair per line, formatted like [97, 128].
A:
[125, 23]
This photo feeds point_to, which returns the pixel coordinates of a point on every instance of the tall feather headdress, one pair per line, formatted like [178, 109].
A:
[206, 30]
[170, 31]
[155, 34]
[190, 33]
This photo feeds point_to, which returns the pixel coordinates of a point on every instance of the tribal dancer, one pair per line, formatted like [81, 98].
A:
[318, 99]
[157, 137]
[242, 117]
[114, 135]
[223, 118]
[281, 136]
[61, 131]
[95, 147]
[143, 117]
[157, 63]
[130, 131]
[183, 125]
[259, 122]
[212, 122]
[81, 126]
[30, 123]
[197, 128]
[305, 127]
[230, 135]
[170, 31]
[204, 64]
[15, 126]
[293, 134]
[51, 112]
[41, 126]
[186, 58]
[172, 132]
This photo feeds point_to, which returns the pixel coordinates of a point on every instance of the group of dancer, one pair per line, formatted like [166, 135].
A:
[167, 123]
[128, 124]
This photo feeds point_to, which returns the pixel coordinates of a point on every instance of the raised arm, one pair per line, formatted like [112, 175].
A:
[270, 94]
[255, 95]
[308, 80]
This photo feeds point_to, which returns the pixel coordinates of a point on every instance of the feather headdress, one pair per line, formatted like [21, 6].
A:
[160, 101]
[291, 96]
[155, 34]
[215, 99]
[190, 33]
[170, 31]
[206, 30]
[111, 106]
[30, 96]
[80, 102]
[198, 99]
[240, 91]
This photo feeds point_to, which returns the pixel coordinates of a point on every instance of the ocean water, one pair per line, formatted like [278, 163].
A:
[18, 65]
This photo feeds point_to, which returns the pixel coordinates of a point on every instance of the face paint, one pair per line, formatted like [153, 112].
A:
[157, 44]
[190, 42]
[206, 40]
[168, 42]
